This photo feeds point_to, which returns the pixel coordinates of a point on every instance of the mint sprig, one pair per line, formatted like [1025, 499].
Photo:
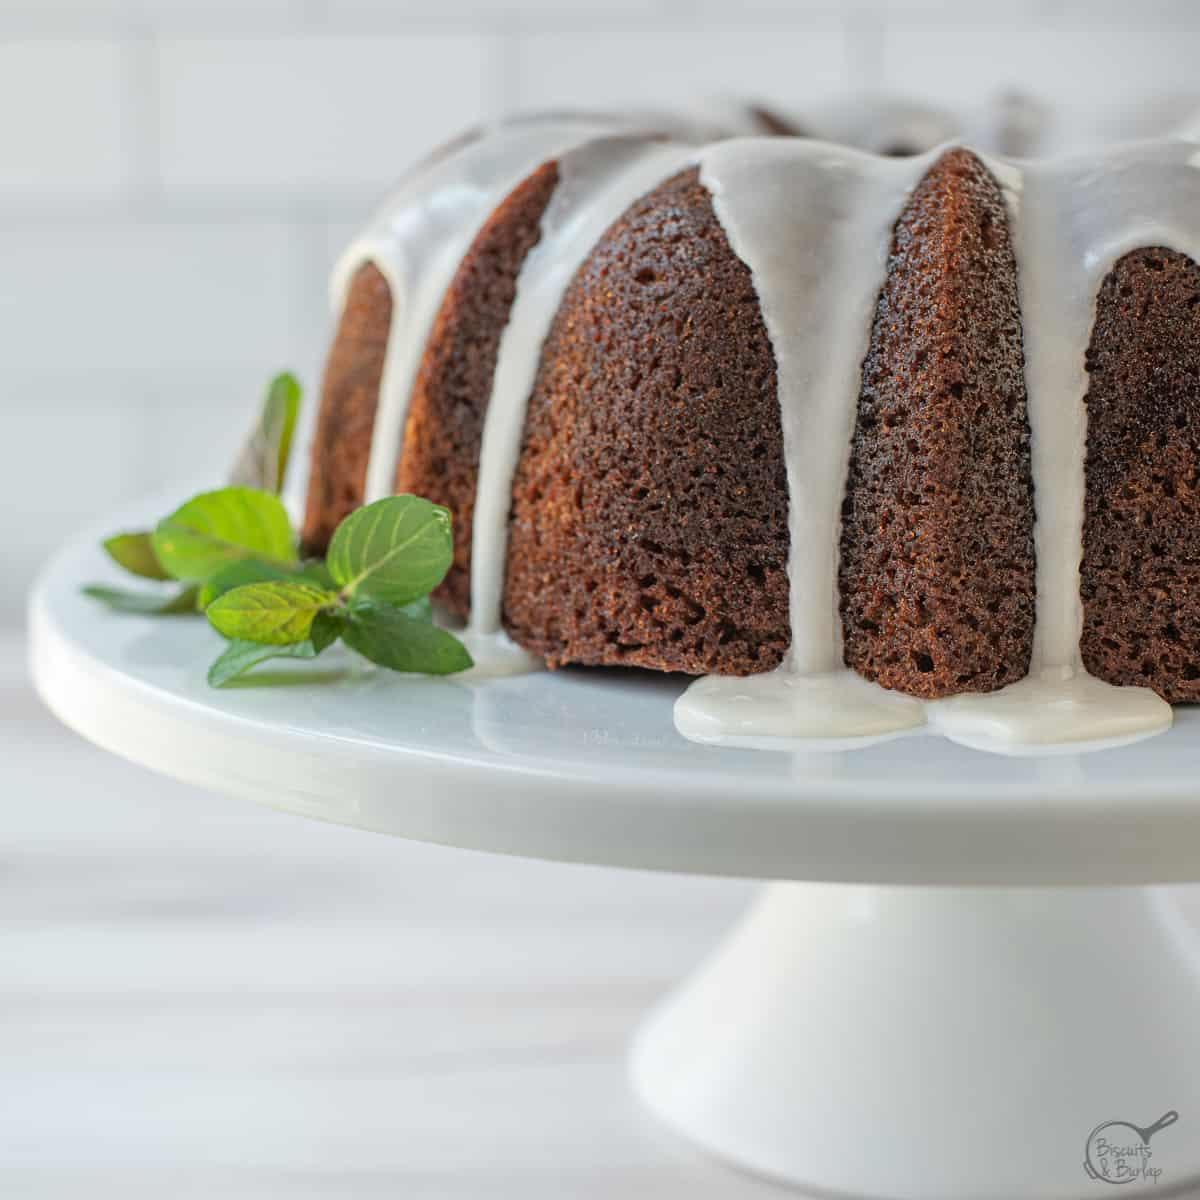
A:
[262, 464]
[135, 552]
[214, 530]
[273, 614]
[144, 604]
[389, 556]
[236, 555]
[263, 461]
[395, 550]
[390, 637]
[243, 572]
[240, 657]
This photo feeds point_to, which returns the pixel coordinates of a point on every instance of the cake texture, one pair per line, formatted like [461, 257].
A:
[773, 409]
[349, 397]
[649, 509]
[1141, 532]
[937, 567]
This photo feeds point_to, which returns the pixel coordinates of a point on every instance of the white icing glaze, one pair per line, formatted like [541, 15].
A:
[494, 655]
[417, 241]
[1050, 711]
[597, 183]
[880, 123]
[813, 222]
[788, 709]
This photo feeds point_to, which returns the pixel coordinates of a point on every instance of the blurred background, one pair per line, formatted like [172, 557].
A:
[176, 175]
[197, 996]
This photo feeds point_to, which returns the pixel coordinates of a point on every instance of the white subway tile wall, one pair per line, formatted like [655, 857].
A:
[61, 124]
[311, 116]
[176, 175]
[598, 69]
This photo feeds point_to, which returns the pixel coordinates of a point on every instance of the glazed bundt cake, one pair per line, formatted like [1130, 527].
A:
[868, 443]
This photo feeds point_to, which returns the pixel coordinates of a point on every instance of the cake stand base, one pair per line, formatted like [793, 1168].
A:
[918, 1042]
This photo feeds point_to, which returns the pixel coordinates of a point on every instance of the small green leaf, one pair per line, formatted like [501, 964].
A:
[135, 552]
[315, 571]
[395, 640]
[239, 574]
[274, 614]
[326, 629]
[238, 657]
[263, 462]
[215, 529]
[419, 610]
[146, 604]
[395, 550]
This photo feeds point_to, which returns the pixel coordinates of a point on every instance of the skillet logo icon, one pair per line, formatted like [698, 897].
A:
[1118, 1152]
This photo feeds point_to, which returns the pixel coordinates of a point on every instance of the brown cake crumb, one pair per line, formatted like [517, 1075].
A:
[349, 397]
[1141, 531]
[440, 459]
[937, 570]
[649, 523]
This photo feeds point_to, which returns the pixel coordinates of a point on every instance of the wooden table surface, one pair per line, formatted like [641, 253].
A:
[203, 998]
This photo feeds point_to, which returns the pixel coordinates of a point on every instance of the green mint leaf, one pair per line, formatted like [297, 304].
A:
[274, 614]
[135, 552]
[419, 610]
[146, 604]
[215, 529]
[395, 550]
[238, 658]
[395, 640]
[326, 629]
[315, 571]
[263, 462]
[239, 574]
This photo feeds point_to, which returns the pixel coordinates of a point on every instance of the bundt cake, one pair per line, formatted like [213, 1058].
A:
[868, 443]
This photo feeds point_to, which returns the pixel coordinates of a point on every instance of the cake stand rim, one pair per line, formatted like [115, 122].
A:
[750, 823]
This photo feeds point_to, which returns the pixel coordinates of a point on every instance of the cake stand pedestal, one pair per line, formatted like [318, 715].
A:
[981, 988]
[938, 1042]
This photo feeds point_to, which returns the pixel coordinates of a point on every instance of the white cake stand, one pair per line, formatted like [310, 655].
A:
[933, 1012]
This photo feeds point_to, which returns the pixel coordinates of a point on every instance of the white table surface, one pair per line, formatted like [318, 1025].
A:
[199, 998]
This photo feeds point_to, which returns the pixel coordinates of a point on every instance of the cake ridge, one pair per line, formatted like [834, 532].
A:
[598, 181]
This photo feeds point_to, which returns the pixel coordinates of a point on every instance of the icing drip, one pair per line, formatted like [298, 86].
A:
[597, 182]
[419, 238]
[1071, 221]
[813, 222]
